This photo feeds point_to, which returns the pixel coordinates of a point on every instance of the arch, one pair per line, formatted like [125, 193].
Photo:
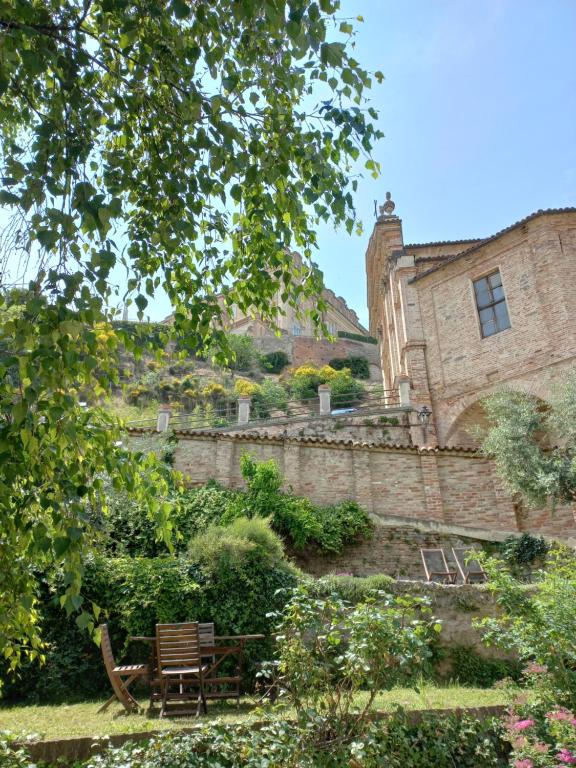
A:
[465, 428]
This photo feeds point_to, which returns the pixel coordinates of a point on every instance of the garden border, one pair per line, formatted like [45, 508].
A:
[84, 747]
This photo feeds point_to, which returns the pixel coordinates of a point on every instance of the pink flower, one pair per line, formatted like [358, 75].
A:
[526, 763]
[535, 669]
[521, 725]
[566, 757]
[541, 747]
[560, 714]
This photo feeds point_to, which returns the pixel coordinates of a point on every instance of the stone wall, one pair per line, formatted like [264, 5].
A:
[447, 486]
[392, 550]
[307, 349]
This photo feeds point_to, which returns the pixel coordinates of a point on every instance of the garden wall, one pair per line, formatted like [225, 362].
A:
[392, 550]
[446, 485]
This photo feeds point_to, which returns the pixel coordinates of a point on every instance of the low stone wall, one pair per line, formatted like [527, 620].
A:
[392, 550]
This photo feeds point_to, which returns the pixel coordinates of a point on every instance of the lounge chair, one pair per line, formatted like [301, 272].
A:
[436, 567]
[471, 570]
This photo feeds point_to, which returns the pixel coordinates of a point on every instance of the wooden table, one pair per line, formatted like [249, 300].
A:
[224, 647]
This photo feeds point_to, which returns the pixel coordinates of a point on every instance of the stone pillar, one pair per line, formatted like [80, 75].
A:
[431, 485]
[324, 395]
[163, 420]
[403, 385]
[291, 466]
[243, 409]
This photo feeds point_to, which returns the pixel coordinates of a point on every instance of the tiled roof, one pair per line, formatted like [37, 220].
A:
[443, 242]
[481, 243]
[264, 437]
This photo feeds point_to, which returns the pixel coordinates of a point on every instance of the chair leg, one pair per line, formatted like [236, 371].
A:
[164, 687]
[105, 706]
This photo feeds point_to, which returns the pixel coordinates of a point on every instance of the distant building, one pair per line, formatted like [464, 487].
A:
[338, 317]
[460, 318]
[297, 337]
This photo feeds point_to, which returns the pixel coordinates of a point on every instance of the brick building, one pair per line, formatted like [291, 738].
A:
[460, 318]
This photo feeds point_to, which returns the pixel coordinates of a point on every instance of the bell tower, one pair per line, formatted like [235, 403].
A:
[394, 313]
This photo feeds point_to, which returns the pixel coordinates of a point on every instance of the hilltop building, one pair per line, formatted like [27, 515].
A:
[460, 318]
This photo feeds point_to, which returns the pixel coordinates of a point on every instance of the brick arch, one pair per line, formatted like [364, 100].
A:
[469, 413]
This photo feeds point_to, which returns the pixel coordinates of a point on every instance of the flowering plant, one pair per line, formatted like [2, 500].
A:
[543, 740]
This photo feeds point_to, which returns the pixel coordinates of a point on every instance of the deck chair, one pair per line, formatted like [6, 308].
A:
[470, 569]
[180, 666]
[216, 684]
[121, 677]
[436, 567]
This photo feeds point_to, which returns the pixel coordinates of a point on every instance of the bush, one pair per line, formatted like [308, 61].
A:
[353, 589]
[274, 362]
[469, 668]
[439, 740]
[329, 528]
[274, 395]
[524, 550]
[135, 593]
[329, 650]
[345, 389]
[243, 351]
[539, 624]
[358, 366]
[236, 544]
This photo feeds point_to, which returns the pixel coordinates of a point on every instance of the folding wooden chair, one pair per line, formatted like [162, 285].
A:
[121, 677]
[436, 567]
[180, 666]
[471, 570]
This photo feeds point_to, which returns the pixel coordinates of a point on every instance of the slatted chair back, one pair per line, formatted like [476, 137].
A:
[178, 645]
[470, 569]
[206, 632]
[435, 565]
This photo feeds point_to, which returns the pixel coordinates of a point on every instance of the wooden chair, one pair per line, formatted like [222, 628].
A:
[436, 567]
[216, 685]
[121, 677]
[470, 569]
[180, 667]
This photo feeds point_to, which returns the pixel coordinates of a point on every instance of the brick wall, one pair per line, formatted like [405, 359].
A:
[393, 550]
[447, 486]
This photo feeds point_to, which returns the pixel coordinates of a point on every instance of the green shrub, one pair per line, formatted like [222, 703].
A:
[329, 528]
[539, 624]
[439, 740]
[345, 390]
[357, 337]
[135, 593]
[359, 367]
[469, 668]
[353, 589]
[243, 352]
[524, 550]
[235, 544]
[274, 395]
[329, 650]
[274, 362]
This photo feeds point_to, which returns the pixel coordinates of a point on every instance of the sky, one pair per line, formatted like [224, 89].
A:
[478, 109]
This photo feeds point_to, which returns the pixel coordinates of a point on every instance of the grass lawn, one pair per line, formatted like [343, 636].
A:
[67, 720]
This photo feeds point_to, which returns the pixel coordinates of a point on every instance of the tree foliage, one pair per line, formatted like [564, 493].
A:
[187, 144]
[518, 438]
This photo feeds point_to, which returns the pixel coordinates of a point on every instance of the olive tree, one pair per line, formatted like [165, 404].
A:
[183, 145]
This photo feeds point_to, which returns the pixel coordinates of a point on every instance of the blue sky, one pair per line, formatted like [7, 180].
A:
[479, 114]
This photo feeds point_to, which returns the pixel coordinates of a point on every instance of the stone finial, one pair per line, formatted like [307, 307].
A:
[388, 207]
